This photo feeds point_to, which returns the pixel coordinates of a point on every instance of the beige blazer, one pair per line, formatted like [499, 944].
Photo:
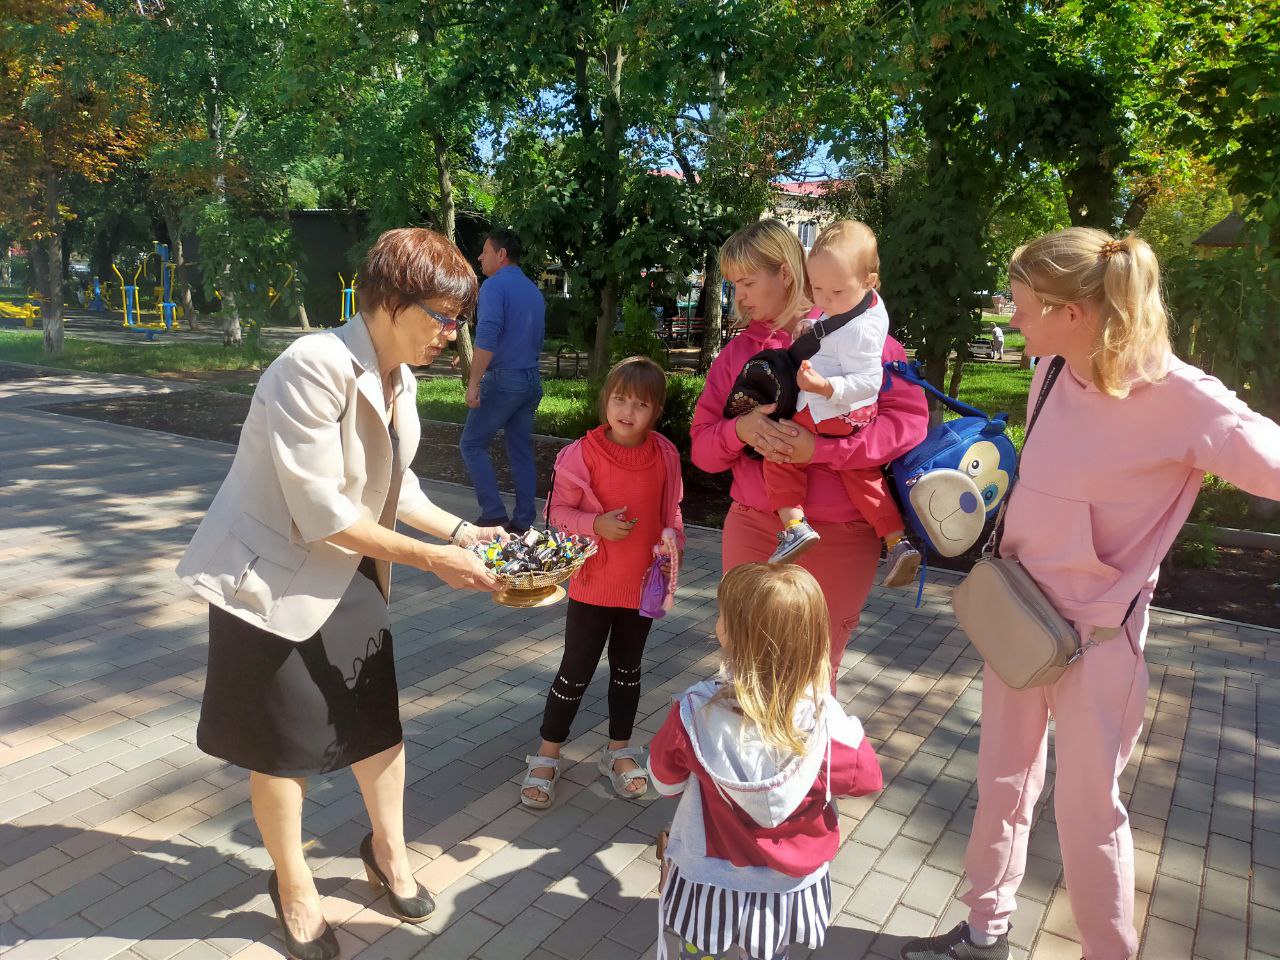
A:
[314, 456]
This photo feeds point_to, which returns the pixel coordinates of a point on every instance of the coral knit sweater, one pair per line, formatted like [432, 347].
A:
[633, 477]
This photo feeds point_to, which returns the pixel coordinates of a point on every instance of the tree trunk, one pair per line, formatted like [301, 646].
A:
[935, 371]
[231, 333]
[711, 277]
[604, 327]
[957, 373]
[611, 133]
[303, 319]
[448, 223]
[52, 306]
[179, 261]
[712, 320]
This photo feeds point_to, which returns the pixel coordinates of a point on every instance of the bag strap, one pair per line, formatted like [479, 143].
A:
[806, 345]
[1050, 378]
[911, 372]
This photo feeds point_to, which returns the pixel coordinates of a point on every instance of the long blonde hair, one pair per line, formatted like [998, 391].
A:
[1122, 279]
[769, 245]
[778, 645]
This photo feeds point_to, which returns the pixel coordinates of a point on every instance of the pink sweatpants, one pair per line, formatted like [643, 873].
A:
[1097, 707]
[843, 562]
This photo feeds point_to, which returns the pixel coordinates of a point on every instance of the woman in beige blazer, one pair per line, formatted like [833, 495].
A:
[294, 557]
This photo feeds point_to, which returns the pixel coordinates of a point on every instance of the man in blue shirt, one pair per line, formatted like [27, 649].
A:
[505, 386]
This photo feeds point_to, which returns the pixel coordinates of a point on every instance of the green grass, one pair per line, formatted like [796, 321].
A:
[566, 409]
[141, 359]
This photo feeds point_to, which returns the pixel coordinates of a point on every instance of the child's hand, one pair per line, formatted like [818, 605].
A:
[811, 381]
[613, 524]
[668, 546]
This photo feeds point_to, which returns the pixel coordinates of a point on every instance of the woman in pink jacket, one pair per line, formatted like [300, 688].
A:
[1124, 437]
[765, 263]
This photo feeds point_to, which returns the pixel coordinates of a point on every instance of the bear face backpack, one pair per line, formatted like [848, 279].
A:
[952, 482]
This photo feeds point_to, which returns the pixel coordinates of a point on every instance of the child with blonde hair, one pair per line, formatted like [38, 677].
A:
[758, 754]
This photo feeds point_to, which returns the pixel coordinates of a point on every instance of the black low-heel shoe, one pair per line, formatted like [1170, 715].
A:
[323, 947]
[413, 909]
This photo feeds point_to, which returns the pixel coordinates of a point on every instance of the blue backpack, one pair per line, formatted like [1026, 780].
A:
[951, 482]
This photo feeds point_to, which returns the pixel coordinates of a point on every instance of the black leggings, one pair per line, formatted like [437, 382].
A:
[586, 629]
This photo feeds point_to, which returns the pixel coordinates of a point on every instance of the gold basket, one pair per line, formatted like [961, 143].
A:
[539, 588]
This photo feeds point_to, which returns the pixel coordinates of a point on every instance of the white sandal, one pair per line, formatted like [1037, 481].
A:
[620, 781]
[539, 783]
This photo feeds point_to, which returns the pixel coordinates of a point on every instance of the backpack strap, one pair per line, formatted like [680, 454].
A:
[911, 372]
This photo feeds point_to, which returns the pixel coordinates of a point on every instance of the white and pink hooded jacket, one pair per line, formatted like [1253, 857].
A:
[751, 818]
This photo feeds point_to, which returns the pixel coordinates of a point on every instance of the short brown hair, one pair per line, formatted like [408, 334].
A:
[855, 243]
[637, 377]
[412, 265]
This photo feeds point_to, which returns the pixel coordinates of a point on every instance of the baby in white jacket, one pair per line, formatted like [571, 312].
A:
[839, 387]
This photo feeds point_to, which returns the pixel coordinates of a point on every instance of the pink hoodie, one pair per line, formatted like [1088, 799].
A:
[1105, 484]
[901, 422]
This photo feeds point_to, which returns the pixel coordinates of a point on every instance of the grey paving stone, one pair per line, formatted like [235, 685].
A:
[521, 937]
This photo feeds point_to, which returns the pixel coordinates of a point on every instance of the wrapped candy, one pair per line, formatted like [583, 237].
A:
[538, 551]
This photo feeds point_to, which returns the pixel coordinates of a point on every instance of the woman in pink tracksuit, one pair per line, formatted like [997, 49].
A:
[1124, 438]
[766, 264]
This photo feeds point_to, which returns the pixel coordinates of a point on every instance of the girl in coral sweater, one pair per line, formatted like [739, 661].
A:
[620, 484]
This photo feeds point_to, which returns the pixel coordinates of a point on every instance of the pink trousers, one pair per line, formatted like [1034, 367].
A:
[1097, 707]
[843, 563]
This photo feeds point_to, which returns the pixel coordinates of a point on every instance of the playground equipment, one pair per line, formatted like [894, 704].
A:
[166, 309]
[348, 297]
[273, 293]
[26, 312]
[95, 301]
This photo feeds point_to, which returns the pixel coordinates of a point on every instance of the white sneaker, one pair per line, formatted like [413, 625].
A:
[793, 541]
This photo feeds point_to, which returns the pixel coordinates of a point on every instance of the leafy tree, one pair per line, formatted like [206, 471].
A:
[70, 109]
[1224, 75]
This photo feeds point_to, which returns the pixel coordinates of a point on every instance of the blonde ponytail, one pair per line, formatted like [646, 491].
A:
[1121, 278]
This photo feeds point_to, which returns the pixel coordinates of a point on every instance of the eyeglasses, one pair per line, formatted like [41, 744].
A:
[447, 324]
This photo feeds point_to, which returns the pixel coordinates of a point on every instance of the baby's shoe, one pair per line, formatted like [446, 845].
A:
[902, 565]
[794, 540]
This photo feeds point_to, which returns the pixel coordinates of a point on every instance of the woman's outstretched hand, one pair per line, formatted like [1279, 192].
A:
[461, 569]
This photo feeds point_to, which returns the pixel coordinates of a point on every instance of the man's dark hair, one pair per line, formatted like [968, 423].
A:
[504, 238]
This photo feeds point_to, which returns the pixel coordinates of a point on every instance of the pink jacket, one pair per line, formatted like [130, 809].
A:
[573, 506]
[1105, 484]
[901, 423]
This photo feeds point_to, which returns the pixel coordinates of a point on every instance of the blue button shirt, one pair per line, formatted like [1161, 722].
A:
[510, 320]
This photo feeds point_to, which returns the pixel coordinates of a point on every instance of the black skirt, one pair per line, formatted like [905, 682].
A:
[293, 709]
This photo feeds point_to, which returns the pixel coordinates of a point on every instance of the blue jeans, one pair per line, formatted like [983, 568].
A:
[508, 401]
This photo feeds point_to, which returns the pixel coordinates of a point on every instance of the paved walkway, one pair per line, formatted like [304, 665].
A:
[120, 839]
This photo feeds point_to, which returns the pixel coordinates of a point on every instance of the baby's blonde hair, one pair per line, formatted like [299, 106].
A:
[1122, 279]
[777, 647]
[769, 245]
[855, 243]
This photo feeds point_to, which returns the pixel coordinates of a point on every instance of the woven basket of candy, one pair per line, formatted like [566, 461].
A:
[531, 569]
